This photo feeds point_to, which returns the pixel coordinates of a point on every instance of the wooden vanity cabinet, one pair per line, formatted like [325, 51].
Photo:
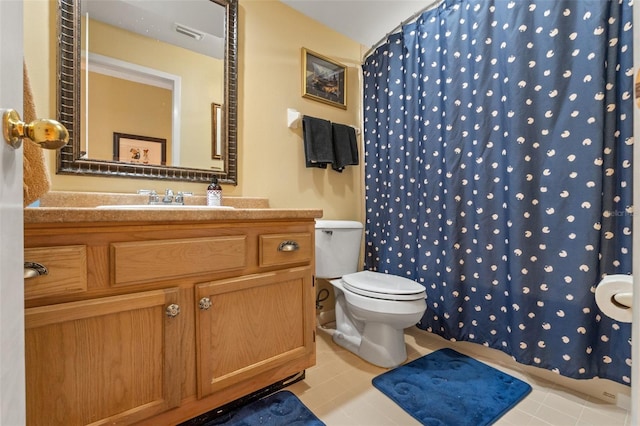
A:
[166, 321]
[249, 325]
[111, 360]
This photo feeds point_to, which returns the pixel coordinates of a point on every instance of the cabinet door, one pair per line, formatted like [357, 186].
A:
[251, 324]
[113, 360]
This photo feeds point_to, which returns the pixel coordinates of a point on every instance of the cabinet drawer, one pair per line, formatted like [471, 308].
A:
[67, 266]
[145, 261]
[285, 249]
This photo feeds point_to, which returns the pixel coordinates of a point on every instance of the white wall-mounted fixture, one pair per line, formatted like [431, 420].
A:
[190, 32]
[294, 119]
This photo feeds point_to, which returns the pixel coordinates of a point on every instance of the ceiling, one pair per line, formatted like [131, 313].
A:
[192, 24]
[365, 21]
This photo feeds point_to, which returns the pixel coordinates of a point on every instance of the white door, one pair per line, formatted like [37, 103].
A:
[12, 386]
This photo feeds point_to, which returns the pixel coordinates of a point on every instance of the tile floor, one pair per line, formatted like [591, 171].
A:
[338, 390]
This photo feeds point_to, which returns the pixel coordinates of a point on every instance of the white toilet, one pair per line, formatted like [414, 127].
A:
[372, 308]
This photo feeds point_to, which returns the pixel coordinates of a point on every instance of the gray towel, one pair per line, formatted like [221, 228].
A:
[345, 147]
[318, 146]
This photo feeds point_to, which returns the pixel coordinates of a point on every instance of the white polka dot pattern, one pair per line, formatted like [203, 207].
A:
[498, 148]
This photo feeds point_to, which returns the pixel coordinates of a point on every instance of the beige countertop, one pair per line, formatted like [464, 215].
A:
[76, 207]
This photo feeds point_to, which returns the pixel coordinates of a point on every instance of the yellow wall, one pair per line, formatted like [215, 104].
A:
[114, 105]
[270, 155]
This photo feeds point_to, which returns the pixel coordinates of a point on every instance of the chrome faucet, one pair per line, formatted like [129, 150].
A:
[168, 196]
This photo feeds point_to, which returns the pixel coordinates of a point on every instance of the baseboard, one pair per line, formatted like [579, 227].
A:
[602, 389]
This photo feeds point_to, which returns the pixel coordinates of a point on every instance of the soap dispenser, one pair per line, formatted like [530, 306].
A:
[214, 193]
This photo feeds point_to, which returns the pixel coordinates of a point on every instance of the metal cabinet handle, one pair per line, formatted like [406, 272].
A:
[33, 269]
[173, 310]
[288, 246]
[205, 303]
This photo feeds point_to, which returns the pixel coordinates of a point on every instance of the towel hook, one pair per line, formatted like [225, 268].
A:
[48, 134]
[294, 118]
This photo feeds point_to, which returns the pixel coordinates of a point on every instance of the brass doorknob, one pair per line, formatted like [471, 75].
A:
[48, 134]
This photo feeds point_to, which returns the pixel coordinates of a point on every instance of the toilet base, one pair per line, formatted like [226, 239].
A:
[380, 344]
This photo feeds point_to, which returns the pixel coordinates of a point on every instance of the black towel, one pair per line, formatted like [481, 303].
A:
[318, 146]
[345, 147]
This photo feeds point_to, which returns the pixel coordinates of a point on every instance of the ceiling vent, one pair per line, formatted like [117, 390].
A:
[189, 32]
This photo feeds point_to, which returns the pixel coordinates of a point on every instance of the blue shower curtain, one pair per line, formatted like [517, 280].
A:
[498, 149]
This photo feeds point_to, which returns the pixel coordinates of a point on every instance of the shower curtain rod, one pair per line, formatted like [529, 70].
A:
[431, 5]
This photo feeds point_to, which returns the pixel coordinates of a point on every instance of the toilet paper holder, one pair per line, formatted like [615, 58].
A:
[614, 296]
[623, 300]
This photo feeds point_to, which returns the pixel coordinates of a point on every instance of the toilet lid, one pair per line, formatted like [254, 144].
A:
[383, 286]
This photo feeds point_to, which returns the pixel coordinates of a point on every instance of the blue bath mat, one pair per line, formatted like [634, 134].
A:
[279, 409]
[447, 388]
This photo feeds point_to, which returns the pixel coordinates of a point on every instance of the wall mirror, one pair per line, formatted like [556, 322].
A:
[150, 70]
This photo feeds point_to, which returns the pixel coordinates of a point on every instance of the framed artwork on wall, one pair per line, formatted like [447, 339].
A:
[323, 79]
[139, 149]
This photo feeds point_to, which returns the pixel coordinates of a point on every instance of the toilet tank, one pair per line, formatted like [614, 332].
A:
[337, 247]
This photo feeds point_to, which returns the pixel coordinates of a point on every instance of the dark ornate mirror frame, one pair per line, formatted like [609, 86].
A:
[68, 101]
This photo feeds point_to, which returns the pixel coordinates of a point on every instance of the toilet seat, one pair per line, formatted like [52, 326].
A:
[383, 286]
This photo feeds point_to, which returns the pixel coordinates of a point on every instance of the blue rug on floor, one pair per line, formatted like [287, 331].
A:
[279, 409]
[449, 388]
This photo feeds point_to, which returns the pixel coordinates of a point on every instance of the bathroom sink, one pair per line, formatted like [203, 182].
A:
[161, 206]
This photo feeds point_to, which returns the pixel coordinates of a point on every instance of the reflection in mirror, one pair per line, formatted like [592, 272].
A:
[117, 81]
[216, 131]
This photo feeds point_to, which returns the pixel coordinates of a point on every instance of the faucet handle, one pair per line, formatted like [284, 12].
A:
[153, 197]
[181, 195]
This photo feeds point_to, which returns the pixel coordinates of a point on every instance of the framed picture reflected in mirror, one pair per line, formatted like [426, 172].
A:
[216, 132]
[138, 149]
